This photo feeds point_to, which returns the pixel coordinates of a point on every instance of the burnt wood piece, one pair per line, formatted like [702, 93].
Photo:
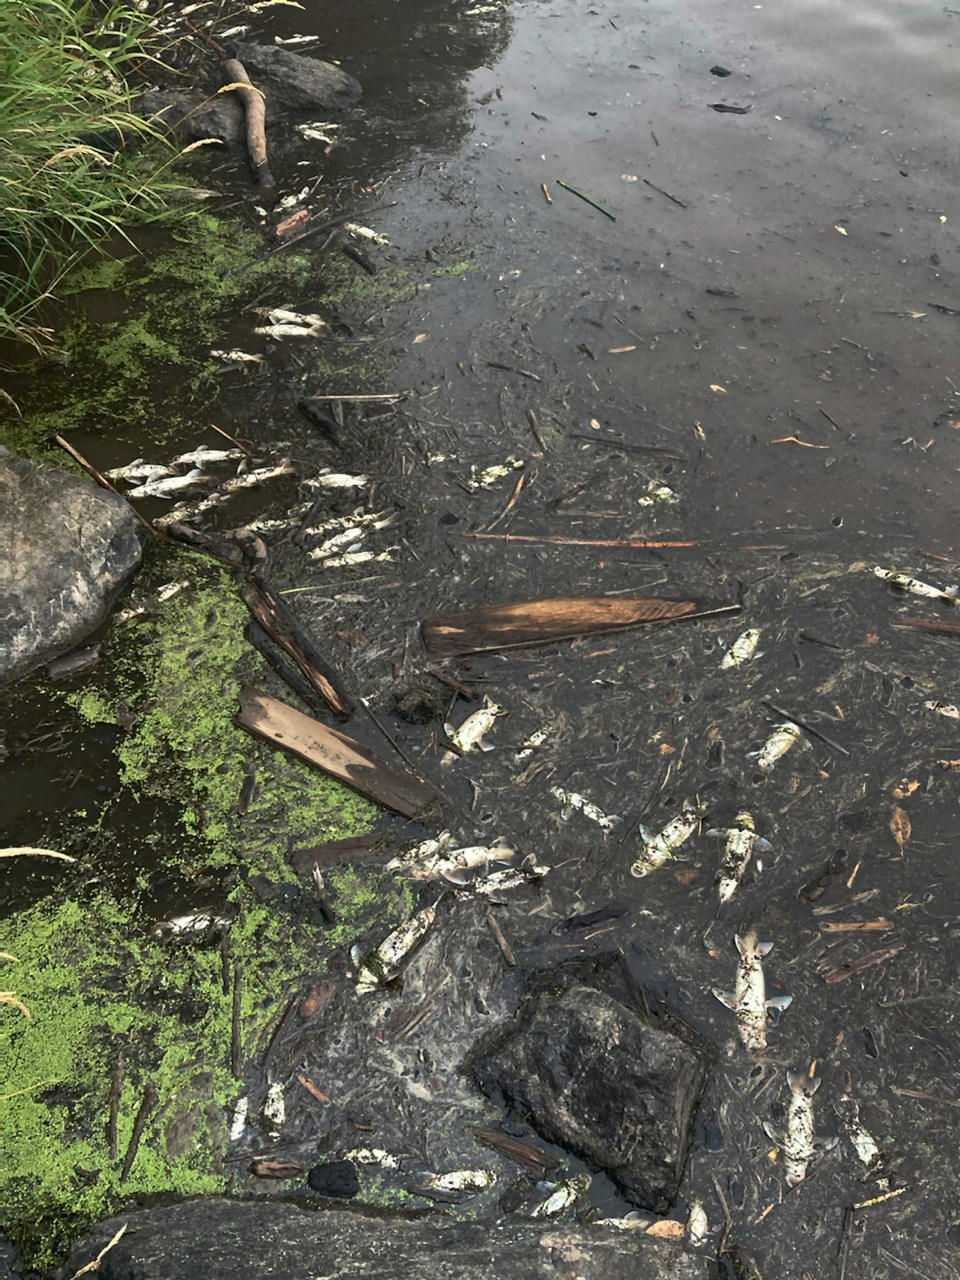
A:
[529, 622]
[333, 752]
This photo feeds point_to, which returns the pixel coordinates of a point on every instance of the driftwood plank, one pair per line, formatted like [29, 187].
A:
[937, 626]
[284, 630]
[334, 853]
[333, 752]
[528, 622]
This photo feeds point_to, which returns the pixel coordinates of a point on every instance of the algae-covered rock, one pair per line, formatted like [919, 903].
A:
[231, 1240]
[69, 548]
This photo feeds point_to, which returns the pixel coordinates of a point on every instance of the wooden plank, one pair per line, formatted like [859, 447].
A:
[333, 853]
[529, 622]
[937, 626]
[333, 752]
[284, 630]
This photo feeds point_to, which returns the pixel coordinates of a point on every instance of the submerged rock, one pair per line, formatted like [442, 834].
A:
[235, 1239]
[69, 547]
[194, 116]
[598, 1076]
[298, 81]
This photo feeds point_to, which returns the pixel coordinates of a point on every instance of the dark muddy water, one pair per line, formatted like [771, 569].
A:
[787, 290]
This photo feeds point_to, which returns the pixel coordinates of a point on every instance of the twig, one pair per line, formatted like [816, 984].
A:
[653, 186]
[383, 395]
[116, 1089]
[253, 103]
[832, 422]
[508, 368]
[535, 428]
[557, 539]
[501, 941]
[933, 625]
[511, 503]
[94, 1265]
[464, 691]
[546, 193]
[727, 1220]
[586, 199]
[146, 1106]
[233, 439]
[235, 1042]
[807, 728]
[614, 443]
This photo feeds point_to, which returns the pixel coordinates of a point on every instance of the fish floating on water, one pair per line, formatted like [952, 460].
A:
[742, 650]
[563, 1195]
[914, 587]
[742, 844]
[383, 963]
[864, 1145]
[659, 847]
[572, 801]
[472, 731]
[799, 1144]
[431, 859]
[170, 486]
[749, 997]
[698, 1225]
[784, 736]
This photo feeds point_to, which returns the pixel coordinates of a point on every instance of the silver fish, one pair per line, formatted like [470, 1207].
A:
[659, 847]
[940, 708]
[171, 486]
[914, 587]
[197, 457]
[749, 998]
[562, 1196]
[798, 1143]
[477, 724]
[466, 1181]
[572, 801]
[784, 736]
[698, 1225]
[383, 963]
[742, 843]
[454, 866]
[742, 650]
[139, 470]
[336, 480]
[529, 872]
[864, 1145]
[192, 922]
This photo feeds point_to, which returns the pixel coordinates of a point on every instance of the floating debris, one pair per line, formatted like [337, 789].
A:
[373, 1155]
[563, 1195]
[456, 1184]
[529, 872]
[864, 1146]
[486, 477]
[948, 709]
[384, 962]
[698, 1225]
[237, 357]
[660, 847]
[904, 582]
[471, 733]
[191, 922]
[749, 998]
[530, 745]
[335, 480]
[742, 843]
[658, 495]
[430, 861]
[784, 736]
[365, 233]
[742, 650]
[572, 802]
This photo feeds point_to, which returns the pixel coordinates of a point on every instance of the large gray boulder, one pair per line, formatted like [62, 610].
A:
[67, 548]
[596, 1074]
[297, 81]
[261, 1239]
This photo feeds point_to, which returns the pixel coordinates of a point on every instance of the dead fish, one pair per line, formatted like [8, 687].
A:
[199, 456]
[948, 709]
[477, 724]
[383, 963]
[572, 801]
[742, 649]
[749, 998]
[529, 872]
[563, 1196]
[864, 1145]
[192, 922]
[660, 847]
[373, 1155]
[365, 233]
[139, 470]
[336, 480]
[457, 1183]
[914, 587]
[423, 854]
[454, 866]
[798, 1143]
[530, 745]
[698, 1225]
[359, 557]
[784, 736]
[742, 843]
[171, 486]
[237, 357]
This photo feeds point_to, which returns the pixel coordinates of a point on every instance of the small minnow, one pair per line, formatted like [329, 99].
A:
[572, 801]
[742, 649]
[798, 1143]
[382, 964]
[742, 843]
[914, 587]
[749, 998]
[784, 736]
[471, 732]
[562, 1196]
[698, 1224]
[171, 486]
[660, 846]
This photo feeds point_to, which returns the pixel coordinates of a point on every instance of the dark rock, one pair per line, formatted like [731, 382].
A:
[720, 71]
[597, 1075]
[261, 1239]
[418, 703]
[195, 117]
[336, 1178]
[298, 81]
[69, 547]
[74, 664]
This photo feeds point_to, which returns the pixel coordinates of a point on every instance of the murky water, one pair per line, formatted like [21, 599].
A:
[772, 326]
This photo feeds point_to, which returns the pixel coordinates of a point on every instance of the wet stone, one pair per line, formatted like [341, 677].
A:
[257, 1238]
[597, 1076]
[297, 81]
[69, 549]
[335, 1178]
